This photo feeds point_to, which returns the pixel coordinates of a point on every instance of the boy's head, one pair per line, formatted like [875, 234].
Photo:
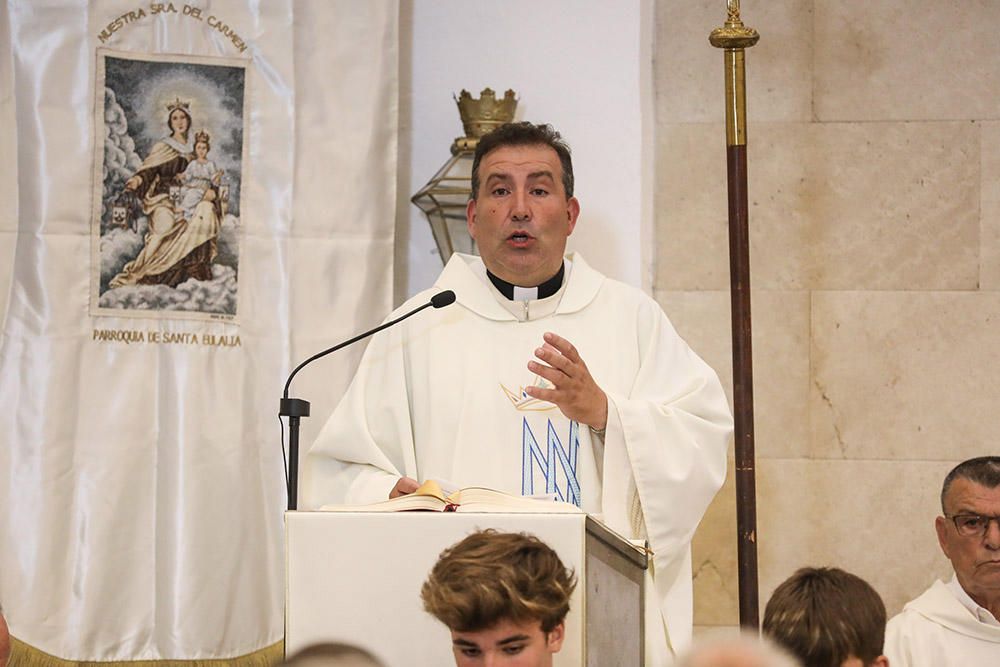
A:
[745, 650]
[332, 655]
[828, 618]
[504, 595]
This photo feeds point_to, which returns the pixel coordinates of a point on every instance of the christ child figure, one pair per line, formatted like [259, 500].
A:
[198, 179]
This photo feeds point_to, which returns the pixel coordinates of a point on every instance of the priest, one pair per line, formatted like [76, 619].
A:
[546, 377]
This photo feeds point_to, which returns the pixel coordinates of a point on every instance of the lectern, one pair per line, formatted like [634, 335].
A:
[355, 577]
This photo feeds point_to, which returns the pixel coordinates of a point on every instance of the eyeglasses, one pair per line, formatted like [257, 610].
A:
[972, 525]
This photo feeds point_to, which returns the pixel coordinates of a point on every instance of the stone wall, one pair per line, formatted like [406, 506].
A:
[874, 181]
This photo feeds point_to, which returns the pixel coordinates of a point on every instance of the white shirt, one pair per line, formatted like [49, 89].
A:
[982, 614]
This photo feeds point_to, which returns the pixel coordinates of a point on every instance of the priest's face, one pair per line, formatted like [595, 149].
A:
[975, 555]
[521, 216]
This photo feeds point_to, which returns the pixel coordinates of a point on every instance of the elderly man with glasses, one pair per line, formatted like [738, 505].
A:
[958, 623]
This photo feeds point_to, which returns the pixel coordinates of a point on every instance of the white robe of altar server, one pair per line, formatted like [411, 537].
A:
[441, 397]
[937, 630]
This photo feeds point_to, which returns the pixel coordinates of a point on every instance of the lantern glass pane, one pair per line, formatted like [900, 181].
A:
[443, 200]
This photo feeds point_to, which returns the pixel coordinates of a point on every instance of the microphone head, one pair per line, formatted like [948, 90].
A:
[442, 299]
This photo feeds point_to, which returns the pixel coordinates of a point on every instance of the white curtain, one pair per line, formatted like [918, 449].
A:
[141, 484]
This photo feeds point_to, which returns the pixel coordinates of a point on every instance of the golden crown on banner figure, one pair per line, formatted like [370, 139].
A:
[177, 104]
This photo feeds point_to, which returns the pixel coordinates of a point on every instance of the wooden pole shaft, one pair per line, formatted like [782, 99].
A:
[735, 37]
[746, 489]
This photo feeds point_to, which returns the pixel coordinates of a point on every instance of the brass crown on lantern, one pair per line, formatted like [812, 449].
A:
[483, 115]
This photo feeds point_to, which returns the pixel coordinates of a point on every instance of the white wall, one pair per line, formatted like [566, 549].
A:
[582, 65]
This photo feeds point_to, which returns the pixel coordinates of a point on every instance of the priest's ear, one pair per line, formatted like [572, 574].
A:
[470, 217]
[572, 214]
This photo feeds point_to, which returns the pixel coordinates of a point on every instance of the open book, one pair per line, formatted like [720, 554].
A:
[431, 497]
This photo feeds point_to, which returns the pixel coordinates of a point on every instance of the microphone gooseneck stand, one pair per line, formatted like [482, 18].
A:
[296, 408]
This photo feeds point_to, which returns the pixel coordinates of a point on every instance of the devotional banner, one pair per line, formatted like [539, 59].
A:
[166, 224]
[197, 195]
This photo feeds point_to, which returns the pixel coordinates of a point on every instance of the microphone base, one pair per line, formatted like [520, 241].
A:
[294, 409]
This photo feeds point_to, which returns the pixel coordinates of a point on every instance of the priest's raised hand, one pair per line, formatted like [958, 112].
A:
[574, 390]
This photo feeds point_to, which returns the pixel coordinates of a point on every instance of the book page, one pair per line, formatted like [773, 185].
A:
[428, 497]
[480, 499]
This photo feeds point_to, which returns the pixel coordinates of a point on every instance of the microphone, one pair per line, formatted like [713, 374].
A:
[295, 408]
[442, 299]
[439, 300]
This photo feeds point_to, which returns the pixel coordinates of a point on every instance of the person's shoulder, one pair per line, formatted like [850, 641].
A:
[934, 611]
[627, 292]
[456, 277]
[911, 636]
[903, 622]
[928, 595]
[629, 300]
[415, 301]
[906, 636]
[619, 291]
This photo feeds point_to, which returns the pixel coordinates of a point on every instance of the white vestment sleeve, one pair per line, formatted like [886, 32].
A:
[367, 444]
[665, 459]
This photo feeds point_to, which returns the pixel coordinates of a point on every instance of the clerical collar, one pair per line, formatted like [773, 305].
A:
[543, 291]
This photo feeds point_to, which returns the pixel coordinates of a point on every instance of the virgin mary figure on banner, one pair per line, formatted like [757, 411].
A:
[181, 242]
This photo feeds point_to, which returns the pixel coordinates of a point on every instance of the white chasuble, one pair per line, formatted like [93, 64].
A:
[441, 396]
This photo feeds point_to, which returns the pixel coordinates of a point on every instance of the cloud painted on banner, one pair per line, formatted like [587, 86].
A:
[119, 149]
[217, 295]
[120, 158]
[120, 246]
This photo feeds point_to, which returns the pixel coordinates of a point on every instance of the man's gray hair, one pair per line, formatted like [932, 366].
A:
[983, 470]
[746, 650]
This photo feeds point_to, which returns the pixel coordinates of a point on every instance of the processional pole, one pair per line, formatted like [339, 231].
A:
[734, 37]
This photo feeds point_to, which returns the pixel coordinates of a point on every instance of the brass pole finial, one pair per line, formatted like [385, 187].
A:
[734, 37]
[734, 10]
